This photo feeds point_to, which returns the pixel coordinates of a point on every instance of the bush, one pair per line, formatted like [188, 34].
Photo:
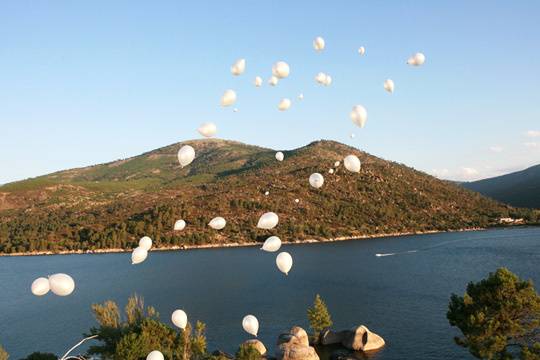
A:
[319, 317]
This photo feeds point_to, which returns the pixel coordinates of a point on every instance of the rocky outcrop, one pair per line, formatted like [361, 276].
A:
[358, 338]
[258, 345]
[294, 345]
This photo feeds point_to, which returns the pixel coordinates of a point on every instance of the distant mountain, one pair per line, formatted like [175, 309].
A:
[520, 188]
[112, 205]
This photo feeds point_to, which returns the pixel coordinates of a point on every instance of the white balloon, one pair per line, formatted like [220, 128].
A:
[280, 70]
[352, 135]
[235, 110]
[228, 98]
[217, 223]
[284, 104]
[272, 244]
[273, 81]
[361, 50]
[138, 255]
[250, 324]
[300, 96]
[40, 286]
[279, 156]
[352, 163]
[331, 171]
[321, 78]
[258, 81]
[389, 85]
[267, 193]
[327, 80]
[336, 164]
[179, 225]
[359, 115]
[61, 284]
[417, 59]
[186, 154]
[284, 262]
[297, 200]
[316, 180]
[155, 355]
[238, 67]
[318, 43]
[179, 318]
[268, 221]
[207, 129]
[146, 243]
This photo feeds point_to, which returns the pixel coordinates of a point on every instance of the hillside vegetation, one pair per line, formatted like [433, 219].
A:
[112, 205]
[520, 188]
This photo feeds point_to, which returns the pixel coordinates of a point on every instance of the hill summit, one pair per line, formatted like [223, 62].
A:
[112, 205]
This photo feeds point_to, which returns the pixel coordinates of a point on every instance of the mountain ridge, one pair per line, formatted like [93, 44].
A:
[111, 205]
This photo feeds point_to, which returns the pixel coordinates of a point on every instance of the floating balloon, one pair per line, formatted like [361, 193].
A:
[417, 59]
[186, 154]
[155, 355]
[328, 80]
[258, 81]
[228, 98]
[359, 115]
[250, 324]
[352, 163]
[279, 156]
[318, 43]
[267, 193]
[284, 262]
[272, 244]
[316, 180]
[217, 223]
[323, 79]
[300, 96]
[389, 85]
[207, 129]
[179, 319]
[235, 110]
[61, 284]
[179, 225]
[280, 70]
[138, 255]
[284, 104]
[145, 243]
[361, 50]
[238, 67]
[352, 135]
[40, 286]
[297, 200]
[273, 81]
[268, 221]
[336, 164]
[331, 171]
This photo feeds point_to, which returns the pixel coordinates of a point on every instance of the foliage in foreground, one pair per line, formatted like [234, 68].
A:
[319, 317]
[247, 352]
[139, 331]
[497, 316]
[3, 354]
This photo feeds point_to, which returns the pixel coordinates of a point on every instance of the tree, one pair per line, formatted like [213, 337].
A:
[496, 314]
[319, 317]
[247, 352]
[3, 354]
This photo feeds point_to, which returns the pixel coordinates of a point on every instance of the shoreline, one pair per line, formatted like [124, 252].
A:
[246, 244]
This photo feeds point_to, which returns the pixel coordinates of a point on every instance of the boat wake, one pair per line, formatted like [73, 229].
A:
[398, 253]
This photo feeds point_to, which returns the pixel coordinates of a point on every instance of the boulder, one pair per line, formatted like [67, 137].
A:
[295, 346]
[360, 338]
[258, 345]
[329, 337]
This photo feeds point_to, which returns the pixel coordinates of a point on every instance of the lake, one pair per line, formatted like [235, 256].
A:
[402, 297]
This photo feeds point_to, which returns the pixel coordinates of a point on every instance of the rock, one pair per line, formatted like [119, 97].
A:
[258, 345]
[329, 337]
[361, 339]
[295, 346]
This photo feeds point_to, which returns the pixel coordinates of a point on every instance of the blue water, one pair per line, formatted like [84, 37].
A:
[402, 297]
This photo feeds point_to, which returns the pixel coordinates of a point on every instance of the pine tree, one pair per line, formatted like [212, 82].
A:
[319, 317]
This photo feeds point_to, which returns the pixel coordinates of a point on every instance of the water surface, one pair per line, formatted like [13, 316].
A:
[402, 297]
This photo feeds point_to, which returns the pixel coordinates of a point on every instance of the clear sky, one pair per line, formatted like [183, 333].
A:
[84, 82]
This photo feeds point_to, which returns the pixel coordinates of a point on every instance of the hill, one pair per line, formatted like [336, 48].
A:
[112, 205]
[520, 188]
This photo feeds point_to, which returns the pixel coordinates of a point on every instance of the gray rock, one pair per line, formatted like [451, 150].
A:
[295, 346]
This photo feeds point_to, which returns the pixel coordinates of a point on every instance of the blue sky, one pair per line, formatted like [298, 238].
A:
[89, 82]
